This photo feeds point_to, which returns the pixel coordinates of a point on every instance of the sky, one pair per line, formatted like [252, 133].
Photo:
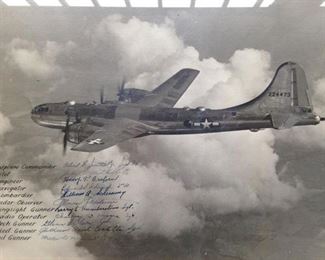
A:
[238, 195]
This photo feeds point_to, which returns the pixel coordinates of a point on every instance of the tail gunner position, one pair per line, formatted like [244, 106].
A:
[93, 127]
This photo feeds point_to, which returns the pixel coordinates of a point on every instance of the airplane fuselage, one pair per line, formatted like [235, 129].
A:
[164, 120]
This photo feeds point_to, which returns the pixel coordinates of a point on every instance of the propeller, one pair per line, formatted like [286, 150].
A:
[322, 119]
[120, 91]
[77, 119]
[66, 134]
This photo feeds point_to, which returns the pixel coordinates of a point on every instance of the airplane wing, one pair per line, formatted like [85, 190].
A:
[169, 92]
[111, 134]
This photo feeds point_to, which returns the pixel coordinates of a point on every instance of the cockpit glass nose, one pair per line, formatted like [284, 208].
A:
[40, 108]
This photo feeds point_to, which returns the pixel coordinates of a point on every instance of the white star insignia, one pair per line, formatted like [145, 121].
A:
[96, 141]
[206, 123]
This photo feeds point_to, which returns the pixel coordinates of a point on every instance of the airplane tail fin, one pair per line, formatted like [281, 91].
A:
[288, 91]
[286, 97]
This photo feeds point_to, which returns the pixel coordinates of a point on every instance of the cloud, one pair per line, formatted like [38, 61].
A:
[5, 125]
[319, 96]
[150, 53]
[164, 205]
[152, 42]
[150, 188]
[36, 62]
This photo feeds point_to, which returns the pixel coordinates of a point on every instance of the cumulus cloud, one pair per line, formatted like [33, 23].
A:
[150, 189]
[5, 124]
[6, 151]
[150, 53]
[34, 61]
[319, 96]
[152, 42]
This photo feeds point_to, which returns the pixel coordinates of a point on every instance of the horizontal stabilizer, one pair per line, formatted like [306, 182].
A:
[284, 121]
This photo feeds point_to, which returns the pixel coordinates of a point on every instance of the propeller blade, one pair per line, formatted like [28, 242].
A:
[322, 119]
[66, 135]
[120, 90]
[64, 144]
[123, 84]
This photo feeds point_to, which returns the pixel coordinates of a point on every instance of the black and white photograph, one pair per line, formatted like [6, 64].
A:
[162, 129]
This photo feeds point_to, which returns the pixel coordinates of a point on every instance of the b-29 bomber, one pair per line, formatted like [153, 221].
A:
[93, 127]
